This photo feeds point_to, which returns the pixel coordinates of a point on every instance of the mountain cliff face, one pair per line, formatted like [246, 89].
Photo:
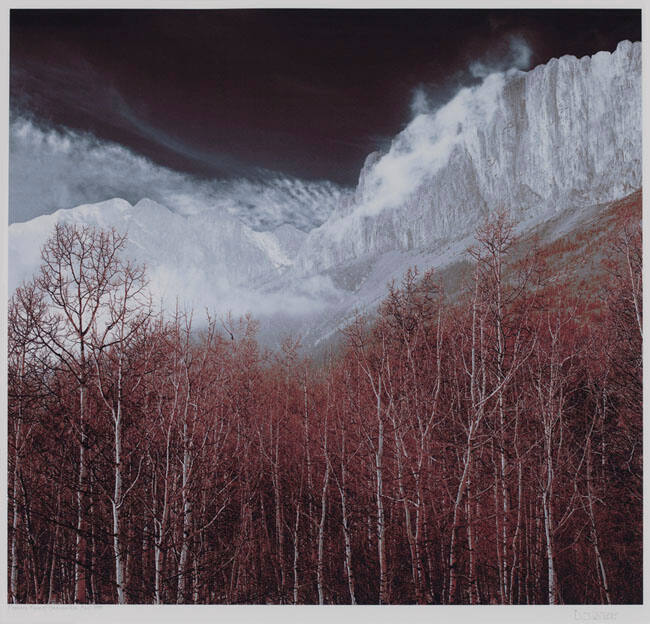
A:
[565, 134]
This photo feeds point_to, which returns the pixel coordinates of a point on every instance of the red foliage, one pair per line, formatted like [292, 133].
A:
[486, 450]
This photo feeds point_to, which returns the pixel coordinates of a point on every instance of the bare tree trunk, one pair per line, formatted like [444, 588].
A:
[381, 529]
[419, 516]
[502, 538]
[516, 539]
[296, 528]
[13, 583]
[116, 504]
[158, 573]
[321, 527]
[498, 517]
[307, 442]
[81, 552]
[182, 564]
[160, 522]
[66, 586]
[145, 560]
[93, 587]
[31, 540]
[275, 477]
[50, 592]
[427, 549]
[195, 585]
[501, 510]
[477, 384]
[548, 523]
[460, 492]
[407, 514]
[346, 526]
[471, 581]
[594, 533]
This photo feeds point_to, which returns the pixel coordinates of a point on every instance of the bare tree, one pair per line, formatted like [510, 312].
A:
[79, 279]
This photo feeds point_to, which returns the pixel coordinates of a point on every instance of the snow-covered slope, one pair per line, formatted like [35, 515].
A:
[202, 259]
[565, 134]
[557, 140]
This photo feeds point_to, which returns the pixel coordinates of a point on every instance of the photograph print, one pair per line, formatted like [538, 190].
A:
[325, 307]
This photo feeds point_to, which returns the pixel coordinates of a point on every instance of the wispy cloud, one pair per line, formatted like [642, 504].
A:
[79, 89]
[512, 52]
[517, 56]
[420, 103]
[53, 168]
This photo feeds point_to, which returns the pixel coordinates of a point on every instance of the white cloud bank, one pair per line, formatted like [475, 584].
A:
[51, 169]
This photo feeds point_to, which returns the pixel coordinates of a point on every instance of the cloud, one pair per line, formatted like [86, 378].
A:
[425, 146]
[512, 52]
[50, 169]
[79, 88]
[420, 103]
[518, 55]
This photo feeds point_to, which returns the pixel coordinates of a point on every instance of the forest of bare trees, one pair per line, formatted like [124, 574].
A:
[482, 449]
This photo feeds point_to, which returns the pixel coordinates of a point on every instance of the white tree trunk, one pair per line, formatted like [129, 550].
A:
[116, 504]
[548, 525]
[182, 564]
[13, 583]
[346, 527]
[296, 553]
[321, 531]
[381, 529]
[80, 574]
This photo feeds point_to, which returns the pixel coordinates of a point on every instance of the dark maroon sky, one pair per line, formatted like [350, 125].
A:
[304, 92]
